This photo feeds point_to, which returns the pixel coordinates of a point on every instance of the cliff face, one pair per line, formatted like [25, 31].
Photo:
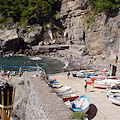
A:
[100, 36]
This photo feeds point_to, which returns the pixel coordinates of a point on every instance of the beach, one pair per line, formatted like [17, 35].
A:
[100, 107]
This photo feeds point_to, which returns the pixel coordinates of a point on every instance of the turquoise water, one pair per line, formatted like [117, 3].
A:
[49, 64]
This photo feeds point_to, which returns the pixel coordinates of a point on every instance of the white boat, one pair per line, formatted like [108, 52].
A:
[112, 90]
[63, 89]
[115, 98]
[81, 104]
[80, 74]
[66, 92]
[105, 83]
[93, 78]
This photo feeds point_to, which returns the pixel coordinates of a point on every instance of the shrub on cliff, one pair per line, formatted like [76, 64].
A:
[29, 11]
[105, 5]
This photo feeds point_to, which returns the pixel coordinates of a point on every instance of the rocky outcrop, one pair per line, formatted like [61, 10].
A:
[103, 35]
[72, 18]
[9, 40]
[34, 37]
[99, 36]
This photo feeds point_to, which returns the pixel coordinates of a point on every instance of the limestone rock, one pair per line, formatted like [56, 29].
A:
[34, 37]
[9, 40]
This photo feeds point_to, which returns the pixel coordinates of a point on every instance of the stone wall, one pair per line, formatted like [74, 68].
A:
[41, 103]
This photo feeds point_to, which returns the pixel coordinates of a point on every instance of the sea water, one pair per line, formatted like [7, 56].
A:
[49, 64]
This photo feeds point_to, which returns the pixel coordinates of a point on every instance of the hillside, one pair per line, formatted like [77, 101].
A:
[95, 24]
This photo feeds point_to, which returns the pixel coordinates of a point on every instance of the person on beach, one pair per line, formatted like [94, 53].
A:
[68, 74]
[8, 74]
[20, 72]
[85, 85]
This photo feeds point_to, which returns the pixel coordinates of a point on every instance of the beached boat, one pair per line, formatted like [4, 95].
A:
[69, 97]
[93, 78]
[105, 83]
[63, 89]
[115, 98]
[80, 74]
[66, 92]
[55, 85]
[81, 104]
[112, 90]
[91, 74]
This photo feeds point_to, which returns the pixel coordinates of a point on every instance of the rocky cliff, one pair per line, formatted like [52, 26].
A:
[100, 35]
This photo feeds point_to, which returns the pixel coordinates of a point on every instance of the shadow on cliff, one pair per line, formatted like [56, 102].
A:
[111, 14]
[92, 111]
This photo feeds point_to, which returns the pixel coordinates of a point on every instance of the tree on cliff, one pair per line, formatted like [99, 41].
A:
[105, 5]
[32, 11]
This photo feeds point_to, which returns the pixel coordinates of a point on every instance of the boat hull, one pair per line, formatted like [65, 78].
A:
[114, 99]
[70, 98]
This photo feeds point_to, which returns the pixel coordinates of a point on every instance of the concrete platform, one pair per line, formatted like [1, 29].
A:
[101, 108]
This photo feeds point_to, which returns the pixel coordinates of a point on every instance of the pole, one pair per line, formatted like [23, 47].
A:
[7, 94]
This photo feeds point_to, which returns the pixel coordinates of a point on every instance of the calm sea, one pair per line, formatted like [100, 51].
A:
[49, 64]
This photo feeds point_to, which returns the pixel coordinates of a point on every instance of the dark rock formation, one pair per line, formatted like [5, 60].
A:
[34, 37]
[9, 40]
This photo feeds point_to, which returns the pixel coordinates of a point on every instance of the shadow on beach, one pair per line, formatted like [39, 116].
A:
[92, 111]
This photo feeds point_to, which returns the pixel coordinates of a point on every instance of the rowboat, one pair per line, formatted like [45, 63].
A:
[93, 78]
[81, 104]
[115, 98]
[80, 75]
[55, 85]
[112, 90]
[69, 97]
[91, 74]
[105, 83]
[63, 89]
[66, 92]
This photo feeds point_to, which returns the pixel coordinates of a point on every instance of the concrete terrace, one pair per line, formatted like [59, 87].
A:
[101, 108]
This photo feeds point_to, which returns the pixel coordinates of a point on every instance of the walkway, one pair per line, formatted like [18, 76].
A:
[101, 108]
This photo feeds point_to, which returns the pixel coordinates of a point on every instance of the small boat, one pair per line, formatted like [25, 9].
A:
[81, 104]
[91, 74]
[93, 78]
[63, 89]
[115, 98]
[55, 85]
[66, 92]
[69, 97]
[111, 77]
[52, 81]
[112, 90]
[80, 75]
[105, 83]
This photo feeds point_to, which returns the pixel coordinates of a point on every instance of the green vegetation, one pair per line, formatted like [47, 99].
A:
[29, 12]
[104, 5]
[78, 115]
